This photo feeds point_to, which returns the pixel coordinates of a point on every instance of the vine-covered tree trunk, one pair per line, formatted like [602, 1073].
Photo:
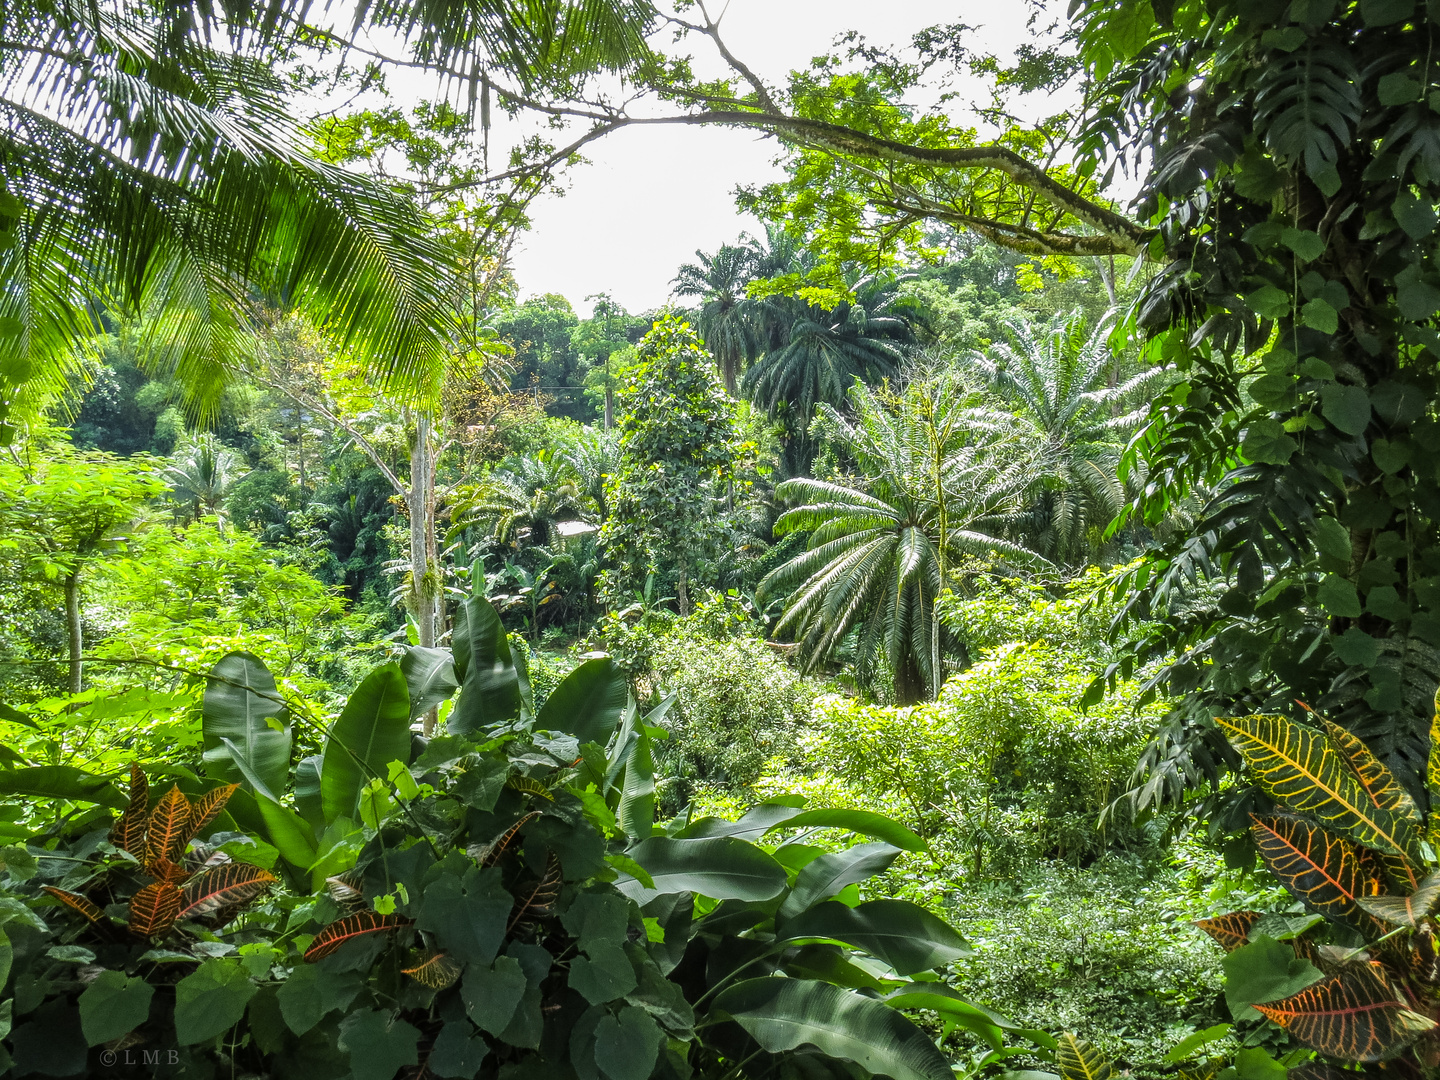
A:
[73, 631]
[424, 598]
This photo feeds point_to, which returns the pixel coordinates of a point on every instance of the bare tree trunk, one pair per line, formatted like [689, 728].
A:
[424, 561]
[74, 631]
[682, 593]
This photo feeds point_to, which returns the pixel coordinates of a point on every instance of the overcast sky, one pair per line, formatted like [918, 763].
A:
[651, 196]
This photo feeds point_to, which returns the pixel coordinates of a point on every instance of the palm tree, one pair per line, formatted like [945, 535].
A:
[725, 319]
[1056, 389]
[145, 171]
[813, 356]
[879, 553]
[523, 499]
[202, 474]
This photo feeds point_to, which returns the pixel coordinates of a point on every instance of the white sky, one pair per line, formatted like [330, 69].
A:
[652, 196]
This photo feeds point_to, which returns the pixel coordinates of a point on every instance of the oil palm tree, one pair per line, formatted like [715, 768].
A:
[144, 170]
[726, 316]
[522, 500]
[880, 550]
[813, 356]
[201, 476]
[1055, 388]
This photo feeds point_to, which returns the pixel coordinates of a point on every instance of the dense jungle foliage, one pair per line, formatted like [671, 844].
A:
[975, 628]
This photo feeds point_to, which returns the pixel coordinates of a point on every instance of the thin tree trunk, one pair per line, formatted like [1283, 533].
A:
[74, 631]
[682, 593]
[424, 563]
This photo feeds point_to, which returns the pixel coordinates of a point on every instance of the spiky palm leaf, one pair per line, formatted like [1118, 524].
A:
[726, 319]
[525, 494]
[145, 171]
[817, 355]
[1054, 388]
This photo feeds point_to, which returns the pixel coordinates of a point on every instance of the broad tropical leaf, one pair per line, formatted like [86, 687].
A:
[372, 731]
[587, 703]
[128, 831]
[1079, 1060]
[223, 886]
[721, 868]
[335, 934]
[1232, 930]
[344, 889]
[154, 909]
[490, 692]
[529, 786]
[823, 877]
[168, 829]
[62, 782]
[75, 902]
[1321, 870]
[1409, 910]
[1355, 1015]
[1299, 767]
[243, 705]
[436, 970]
[783, 1014]
[861, 821]
[429, 678]
[903, 935]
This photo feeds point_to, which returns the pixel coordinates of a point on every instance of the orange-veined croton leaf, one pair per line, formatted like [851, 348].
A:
[167, 830]
[1406, 910]
[1231, 930]
[335, 934]
[128, 832]
[224, 886]
[1432, 777]
[154, 908]
[1355, 1015]
[207, 807]
[75, 902]
[489, 854]
[1323, 871]
[436, 970]
[1301, 768]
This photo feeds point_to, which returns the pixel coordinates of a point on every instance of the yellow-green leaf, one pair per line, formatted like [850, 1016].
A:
[1301, 768]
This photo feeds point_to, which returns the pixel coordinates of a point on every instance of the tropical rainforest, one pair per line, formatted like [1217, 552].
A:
[984, 624]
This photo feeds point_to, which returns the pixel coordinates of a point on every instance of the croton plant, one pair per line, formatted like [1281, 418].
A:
[1357, 978]
[497, 902]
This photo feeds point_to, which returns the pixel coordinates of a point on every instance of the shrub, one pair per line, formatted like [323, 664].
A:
[499, 901]
[738, 705]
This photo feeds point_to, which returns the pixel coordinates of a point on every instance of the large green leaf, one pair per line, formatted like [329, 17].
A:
[373, 730]
[752, 825]
[307, 791]
[587, 703]
[243, 705]
[636, 810]
[490, 691]
[823, 877]
[211, 1000]
[784, 1014]
[902, 934]
[721, 867]
[288, 832]
[62, 782]
[1301, 768]
[114, 1005]
[860, 821]
[429, 677]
